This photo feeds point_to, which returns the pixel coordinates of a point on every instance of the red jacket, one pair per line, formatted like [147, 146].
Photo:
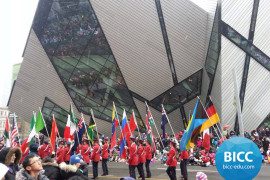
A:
[60, 154]
[141, 154]
[67, 153]
[95, 156]
[85, 152]
[105, 153]
[171, 161]
[44, 151]
[148, 152]
[184, 155]
[133, 157]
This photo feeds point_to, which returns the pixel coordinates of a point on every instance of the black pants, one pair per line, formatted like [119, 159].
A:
[148, 172]
[183, 167]
[141, 170]
[132, 171]
[105, 166]
[171, 172]
[95, 169]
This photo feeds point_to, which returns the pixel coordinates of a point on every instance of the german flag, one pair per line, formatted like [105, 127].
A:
[213, 116]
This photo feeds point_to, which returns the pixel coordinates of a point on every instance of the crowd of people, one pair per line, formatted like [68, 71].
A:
[40, 162]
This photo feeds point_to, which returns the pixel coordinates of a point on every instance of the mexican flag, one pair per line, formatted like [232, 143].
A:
[7, 132]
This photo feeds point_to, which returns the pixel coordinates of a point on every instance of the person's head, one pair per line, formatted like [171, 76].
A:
[33, 148]
[96, 140]
[10, 155]
[32, 163]
[75, 160]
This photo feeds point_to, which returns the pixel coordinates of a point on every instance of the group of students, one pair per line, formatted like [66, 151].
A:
[40, 163]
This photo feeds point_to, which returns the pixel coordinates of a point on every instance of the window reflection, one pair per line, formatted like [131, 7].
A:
[78, 49]
[180, 93]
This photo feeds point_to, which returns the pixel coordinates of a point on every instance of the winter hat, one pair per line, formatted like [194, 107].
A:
[6, 154]
[33, 147]
[201, 176]
[74, 159]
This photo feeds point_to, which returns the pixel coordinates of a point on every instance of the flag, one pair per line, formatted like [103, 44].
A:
[151, 119]
[54, 131]
[193, 124]
[164, 121]
[39, 122]
[81, 131]
[213, 117]
[90, 129]
[122, 138]
[14, 132]
[6, 132]
[33, 128]
[24, 145]
[132, 123]
[206, 141]
[72, 114]
[67, 134]
[148, 130]
[115, 124]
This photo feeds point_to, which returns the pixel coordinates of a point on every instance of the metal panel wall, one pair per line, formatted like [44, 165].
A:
[187, 28]
[261, 37]
[38, 79]
[231, 58]
[256, 106]
[133, 32]
[237, 13]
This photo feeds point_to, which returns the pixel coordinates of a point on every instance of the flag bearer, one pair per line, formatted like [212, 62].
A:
[171, 161]
[105, 156]
[141, 158]
[95, 157]
[148, 154]
[133, 157]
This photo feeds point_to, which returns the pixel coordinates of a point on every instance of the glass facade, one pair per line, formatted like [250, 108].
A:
[80, 53]
[49, 108]
[179, 94]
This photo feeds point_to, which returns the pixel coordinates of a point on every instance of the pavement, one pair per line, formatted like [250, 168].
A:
[158, 170]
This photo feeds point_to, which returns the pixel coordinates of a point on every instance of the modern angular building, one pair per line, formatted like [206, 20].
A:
[91, 53]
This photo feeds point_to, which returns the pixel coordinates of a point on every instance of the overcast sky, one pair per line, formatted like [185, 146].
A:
[15, 18]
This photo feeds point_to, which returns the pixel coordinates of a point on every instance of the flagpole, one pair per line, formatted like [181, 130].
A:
[15, 120]
[92, 113]
[133, 114]
[155, 126]
[44, 122]
[209, 117]
[168, 120]
[219, 121]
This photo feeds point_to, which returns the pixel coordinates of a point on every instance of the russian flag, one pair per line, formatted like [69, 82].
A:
[124, 127]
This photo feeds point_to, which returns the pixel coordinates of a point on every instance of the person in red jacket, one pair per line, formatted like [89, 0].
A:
[105, 156]
[67, 152]
[148, 154]
[45, 150]
[171, 161]
[183, 164]
[141, 158]
[85, 151]
[95, 157]
[133, 157]
[60, 154]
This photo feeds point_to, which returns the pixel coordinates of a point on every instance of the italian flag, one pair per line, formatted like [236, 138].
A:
[6, 132]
